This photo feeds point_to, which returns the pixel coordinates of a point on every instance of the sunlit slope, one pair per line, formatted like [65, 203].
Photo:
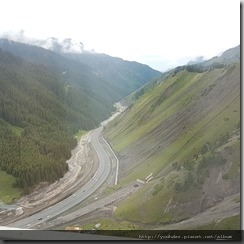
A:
[186, 132]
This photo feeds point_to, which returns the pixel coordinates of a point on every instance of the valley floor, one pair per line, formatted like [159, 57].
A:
[82, 166]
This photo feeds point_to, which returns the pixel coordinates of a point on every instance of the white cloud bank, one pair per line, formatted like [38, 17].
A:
[160, 33]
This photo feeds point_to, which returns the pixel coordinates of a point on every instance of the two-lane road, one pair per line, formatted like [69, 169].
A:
[97, 180]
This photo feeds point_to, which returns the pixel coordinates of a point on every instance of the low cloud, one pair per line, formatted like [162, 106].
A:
[66, 45]
[16, 36]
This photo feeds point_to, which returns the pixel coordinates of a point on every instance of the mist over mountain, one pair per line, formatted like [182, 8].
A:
[120, 79]
[196, 60]
[46, 98]
[124, 74]
[66, 45]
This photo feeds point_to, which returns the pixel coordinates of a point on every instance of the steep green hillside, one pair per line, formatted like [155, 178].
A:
[185, 131]
[39, 115]
[230, 56]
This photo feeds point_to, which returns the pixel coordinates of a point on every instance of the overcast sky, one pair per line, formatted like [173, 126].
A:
[160, 33]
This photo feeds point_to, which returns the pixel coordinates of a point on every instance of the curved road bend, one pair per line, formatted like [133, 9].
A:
[97, 180]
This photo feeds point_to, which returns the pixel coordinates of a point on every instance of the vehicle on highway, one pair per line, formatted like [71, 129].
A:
[40, 218]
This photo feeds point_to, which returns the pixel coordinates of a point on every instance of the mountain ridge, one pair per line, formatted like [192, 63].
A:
[184, 131]
[229, 56]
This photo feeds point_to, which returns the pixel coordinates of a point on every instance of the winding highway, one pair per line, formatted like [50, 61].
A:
[103, 151]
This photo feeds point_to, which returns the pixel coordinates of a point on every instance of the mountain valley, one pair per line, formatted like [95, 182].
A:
[46, 99]
[174, 139]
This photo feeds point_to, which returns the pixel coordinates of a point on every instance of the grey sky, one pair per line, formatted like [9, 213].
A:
[160, 33]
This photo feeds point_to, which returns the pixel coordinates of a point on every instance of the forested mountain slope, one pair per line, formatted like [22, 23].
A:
[184, 133]
[107, 79]
[126, 76]
[39, 115]
[45, 99]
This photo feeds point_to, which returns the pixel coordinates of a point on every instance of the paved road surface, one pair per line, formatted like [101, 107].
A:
[100, 203]
[96, 181]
